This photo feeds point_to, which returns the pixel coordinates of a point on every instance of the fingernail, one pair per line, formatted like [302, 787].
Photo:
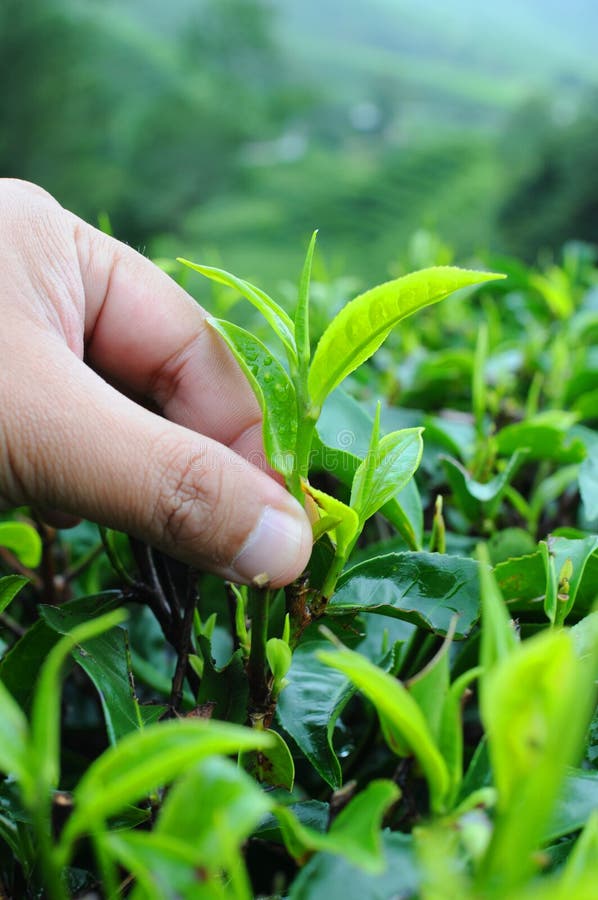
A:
[276, 547]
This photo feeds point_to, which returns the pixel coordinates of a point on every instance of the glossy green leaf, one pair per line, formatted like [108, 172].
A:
[143, 760]
[309, 706]
[274, 766]
[106, 661]
[397, 457]
[19, 669]
[363, 324]
[10, 586]
[277, 318]
[355, 833]
[401, 719]
[22, 540]
[427, 589]
[225, 687]
[327, 876]
[273, 390]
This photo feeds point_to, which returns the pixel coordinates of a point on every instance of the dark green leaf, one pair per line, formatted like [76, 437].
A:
[106, 660]
[274, 766]
[424, 588]
[10, 586]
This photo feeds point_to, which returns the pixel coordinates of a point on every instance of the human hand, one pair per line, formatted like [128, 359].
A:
[78, 307]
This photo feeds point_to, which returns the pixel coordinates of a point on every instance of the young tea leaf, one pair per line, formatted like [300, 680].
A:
[273, 389]
[363, 325]
[397, 456]
[143, 760]
[354, 835]
[302, 313]
[277, 318]
[23, 540]
[403, 723]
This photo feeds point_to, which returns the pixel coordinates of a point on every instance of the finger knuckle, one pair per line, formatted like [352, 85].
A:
[189, 500]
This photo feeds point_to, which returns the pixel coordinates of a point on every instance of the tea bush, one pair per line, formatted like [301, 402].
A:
[415, 716]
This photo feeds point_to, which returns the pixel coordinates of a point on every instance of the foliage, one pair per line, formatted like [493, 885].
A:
[415, 716]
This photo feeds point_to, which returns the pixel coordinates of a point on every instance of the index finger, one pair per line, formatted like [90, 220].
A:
[145, 332]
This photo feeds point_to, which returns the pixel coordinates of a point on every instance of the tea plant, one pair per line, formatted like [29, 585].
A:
[415, 716]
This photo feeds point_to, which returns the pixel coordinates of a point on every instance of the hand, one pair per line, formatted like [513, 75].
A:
[90, 331]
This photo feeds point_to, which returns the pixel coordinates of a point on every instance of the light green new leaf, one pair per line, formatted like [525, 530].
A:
[10, 586]
[402, 721]
[273, 390]
[348, 522]
[23, 540]
[396, 459]
[212, 807]
[364, 474]
[143, 760]
[498, 638]
[277, 318]
[363, 324]
[164, 868]
[302, 312]
[355, 833]
[14, 749]
[535, 708]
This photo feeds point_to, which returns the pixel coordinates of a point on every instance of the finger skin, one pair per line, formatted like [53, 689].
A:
[76, 301]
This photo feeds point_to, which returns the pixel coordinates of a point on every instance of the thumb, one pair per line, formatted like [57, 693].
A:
[75, 443]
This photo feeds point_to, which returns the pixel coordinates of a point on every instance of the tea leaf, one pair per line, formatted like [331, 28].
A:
[424, 588]
[10, 586]
[355, 833]
[302, 313]
[23, 540]
[402, 721]
[396, 458]
[273, 390]
[143, 760]
[277, 318]
[363, 324]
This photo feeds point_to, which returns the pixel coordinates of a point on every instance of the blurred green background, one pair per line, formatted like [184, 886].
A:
[226, 130]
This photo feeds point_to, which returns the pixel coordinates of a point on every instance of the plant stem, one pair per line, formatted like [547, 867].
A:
[257, 665]
[53, 882]
[184, 643]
